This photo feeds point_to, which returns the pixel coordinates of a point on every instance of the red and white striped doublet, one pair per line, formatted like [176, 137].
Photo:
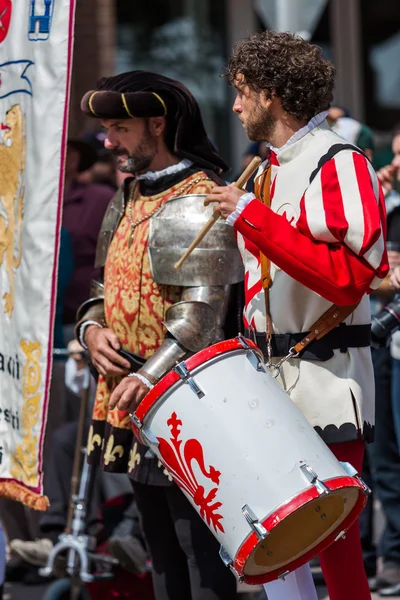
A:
[325, 240]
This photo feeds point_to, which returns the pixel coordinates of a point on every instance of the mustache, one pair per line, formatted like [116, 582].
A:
[120, 152]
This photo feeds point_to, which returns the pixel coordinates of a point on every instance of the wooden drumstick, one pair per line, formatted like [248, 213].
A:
[245, 176]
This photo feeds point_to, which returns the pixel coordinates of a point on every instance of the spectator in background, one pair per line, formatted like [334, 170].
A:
[104, 171]
[84, 207]
[384, 453]
[351, 130]
[337, 112]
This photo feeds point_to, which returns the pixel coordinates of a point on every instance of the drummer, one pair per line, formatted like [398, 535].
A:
[154, 129]
[319, 219]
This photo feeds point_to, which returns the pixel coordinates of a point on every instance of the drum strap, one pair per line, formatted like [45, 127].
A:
[328, 321]
[262, 188]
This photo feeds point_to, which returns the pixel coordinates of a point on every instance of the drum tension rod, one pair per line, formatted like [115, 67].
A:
[135, 420]
[350, 470]
[312, 477]
[228, 562]
[183, 372]
[252, 355]
[254, 523]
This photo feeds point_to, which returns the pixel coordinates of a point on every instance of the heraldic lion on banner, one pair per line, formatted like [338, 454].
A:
[12, 168]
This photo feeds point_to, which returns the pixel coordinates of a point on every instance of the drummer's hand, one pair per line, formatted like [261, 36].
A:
[227, 198]
[103, 345]
[128, 394]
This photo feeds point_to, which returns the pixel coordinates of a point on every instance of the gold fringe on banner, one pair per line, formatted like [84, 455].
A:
[14, 491]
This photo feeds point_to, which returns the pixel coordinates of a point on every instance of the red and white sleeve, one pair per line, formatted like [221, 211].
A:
[337, 247]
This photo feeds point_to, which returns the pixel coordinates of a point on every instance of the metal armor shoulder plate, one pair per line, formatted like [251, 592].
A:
[216, 261]
[109, 226]
[96, 299]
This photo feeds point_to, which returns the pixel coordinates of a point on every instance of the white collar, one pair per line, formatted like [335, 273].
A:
[154, 175]
[314, 122]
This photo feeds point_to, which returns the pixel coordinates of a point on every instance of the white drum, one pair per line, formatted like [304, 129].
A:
[252, 466]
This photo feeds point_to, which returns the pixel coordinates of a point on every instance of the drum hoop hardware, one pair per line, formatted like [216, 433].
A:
[149, 438]
[252, 355]
[312, 477]
[135, 420]
[254, 523]
[350, 470]
[340, 535]
[182, 371]
[228, 562]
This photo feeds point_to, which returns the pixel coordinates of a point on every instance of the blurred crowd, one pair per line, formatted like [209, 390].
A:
[91, 180]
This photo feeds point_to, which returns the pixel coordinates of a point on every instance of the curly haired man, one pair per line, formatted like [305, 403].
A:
[318, 216]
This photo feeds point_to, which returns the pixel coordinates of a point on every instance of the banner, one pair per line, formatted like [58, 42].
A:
[36, 38]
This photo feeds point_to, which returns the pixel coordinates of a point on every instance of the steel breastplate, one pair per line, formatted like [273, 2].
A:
[216, 261]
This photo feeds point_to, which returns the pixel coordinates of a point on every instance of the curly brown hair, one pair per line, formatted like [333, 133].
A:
[287, 66]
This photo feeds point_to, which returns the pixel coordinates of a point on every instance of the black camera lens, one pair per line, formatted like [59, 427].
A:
[387, 320]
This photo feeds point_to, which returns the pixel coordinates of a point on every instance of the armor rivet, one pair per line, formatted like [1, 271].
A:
[335, 315]
[316, 331]
[323, 516]
[318, 509]
[307, 340]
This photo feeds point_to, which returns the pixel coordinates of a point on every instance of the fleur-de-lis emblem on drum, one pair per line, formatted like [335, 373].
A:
[177, 458]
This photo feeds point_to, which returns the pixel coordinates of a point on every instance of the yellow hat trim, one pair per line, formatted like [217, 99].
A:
[90, 103]
[162, 102]
[126, 106]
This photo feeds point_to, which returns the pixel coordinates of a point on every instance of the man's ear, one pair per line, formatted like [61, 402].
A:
[157, 126]
[266, 100]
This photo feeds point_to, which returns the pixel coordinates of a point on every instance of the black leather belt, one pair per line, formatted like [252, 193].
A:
[341, 338]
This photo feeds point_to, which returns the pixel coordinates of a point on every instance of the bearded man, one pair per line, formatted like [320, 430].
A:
[154, 128]
[318, 216]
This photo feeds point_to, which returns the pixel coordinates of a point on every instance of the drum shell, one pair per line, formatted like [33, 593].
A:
[250, 431]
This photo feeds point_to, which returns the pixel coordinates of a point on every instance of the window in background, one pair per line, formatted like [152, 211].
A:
[381, 43]
[185, 40]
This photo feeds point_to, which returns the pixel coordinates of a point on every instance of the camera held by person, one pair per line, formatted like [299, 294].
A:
[385, 322]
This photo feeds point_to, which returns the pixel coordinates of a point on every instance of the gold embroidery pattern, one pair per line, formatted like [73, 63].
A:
[112, 452]
[12, 167]
[135, 305]
[93, 440]
[134, 458]
[24, 460]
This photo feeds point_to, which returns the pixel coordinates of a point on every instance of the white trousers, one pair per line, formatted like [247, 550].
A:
[298, 585]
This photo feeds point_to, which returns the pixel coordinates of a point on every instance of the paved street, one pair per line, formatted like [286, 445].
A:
[21, 592]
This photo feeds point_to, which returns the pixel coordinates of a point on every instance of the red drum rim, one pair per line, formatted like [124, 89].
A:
[287, 509]
[192, 362]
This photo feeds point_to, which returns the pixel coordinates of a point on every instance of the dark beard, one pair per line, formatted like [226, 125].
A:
[260, 125]
[135, 164]
[141, 159]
